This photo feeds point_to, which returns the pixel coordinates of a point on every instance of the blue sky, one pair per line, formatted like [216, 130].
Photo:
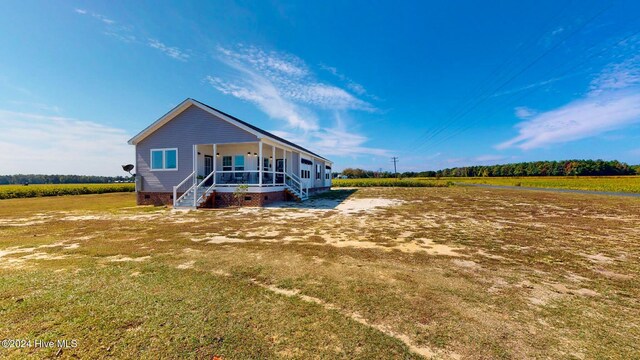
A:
[438, 84]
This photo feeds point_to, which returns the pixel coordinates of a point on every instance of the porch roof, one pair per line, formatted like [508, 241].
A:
[264, 132]
[189, 101]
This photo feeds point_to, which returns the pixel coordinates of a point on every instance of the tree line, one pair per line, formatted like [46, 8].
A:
[60, 179]
[535, 168]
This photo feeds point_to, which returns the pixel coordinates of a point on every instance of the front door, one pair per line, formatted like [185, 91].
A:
[208, 168]
[280, 168]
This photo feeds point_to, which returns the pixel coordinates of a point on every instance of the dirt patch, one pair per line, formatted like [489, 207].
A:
[613, 275]
[43, 256]
[466, 264]
[598, 258]
[187, 265]
[217, 239]
[418, 349]
[351, 206]
[345, 207]
[411, 246]
[122, 258]
[15, 250]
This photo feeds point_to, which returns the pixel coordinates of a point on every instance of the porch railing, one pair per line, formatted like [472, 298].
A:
[249, 177]
[232, 178]
[184, 187]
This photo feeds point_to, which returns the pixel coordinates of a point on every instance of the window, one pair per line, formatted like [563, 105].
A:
[239, 162]
[317, 172]
[164, 159]
[305, 174]
[265, 164]
[226, 163]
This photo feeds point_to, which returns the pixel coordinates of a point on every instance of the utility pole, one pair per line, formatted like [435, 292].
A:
[395, 169]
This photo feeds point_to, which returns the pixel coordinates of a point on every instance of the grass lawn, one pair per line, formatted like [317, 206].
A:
[627, 184]
[401, 273]
[630, 184]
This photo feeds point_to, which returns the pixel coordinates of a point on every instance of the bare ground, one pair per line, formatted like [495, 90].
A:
[432, 272]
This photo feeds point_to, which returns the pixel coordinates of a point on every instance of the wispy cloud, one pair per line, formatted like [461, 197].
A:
[100, 17]
[352, 85]
[524, 112]
[37, 106]
[269, 99]
[34, 143]
[125, 33]
[612, 102]
[335, 140]
[617, 76]
[170, 51]
[578, 120]
[122, 36]
[290, 76]
[284, 87]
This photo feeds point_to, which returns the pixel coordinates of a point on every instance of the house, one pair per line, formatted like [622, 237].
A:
[198, 156]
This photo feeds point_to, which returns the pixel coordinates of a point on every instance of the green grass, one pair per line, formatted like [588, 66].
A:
[629, 184]
[37, 190]
[407, 182]
[533, 275]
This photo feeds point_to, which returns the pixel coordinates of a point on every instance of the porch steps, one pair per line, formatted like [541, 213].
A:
[187, 200]
[295, 194]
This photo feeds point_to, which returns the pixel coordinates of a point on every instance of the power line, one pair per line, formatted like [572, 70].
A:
[526, 93]
[486, 96]
[491, 79]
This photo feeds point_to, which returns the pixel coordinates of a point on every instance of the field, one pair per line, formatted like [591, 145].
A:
[35, 190]
[630, 184]
[381, 182]
[369, 273]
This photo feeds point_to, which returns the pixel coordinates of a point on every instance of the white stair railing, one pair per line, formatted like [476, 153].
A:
[204, 195]
[183, 185]
[295, 184]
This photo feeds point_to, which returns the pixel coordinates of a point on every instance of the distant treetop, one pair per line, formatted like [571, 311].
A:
[535, 168]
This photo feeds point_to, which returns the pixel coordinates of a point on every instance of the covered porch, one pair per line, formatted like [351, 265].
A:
[261, 166]
[255, 164]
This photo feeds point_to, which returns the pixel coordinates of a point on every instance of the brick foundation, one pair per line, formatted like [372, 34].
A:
[216, 200]
[154, 198]
[221, 200]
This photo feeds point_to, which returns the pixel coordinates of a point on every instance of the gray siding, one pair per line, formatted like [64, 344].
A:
[318, 182]
[192, 126]
[295, 162]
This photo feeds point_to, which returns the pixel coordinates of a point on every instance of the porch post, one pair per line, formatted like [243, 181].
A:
[215, 162]
[284, 163]
[273, 165]
[195, 163]
[260, 163]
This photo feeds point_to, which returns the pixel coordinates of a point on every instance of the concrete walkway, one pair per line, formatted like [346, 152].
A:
[586, 192]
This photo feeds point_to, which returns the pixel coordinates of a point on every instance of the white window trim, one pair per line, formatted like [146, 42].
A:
[164, 150]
